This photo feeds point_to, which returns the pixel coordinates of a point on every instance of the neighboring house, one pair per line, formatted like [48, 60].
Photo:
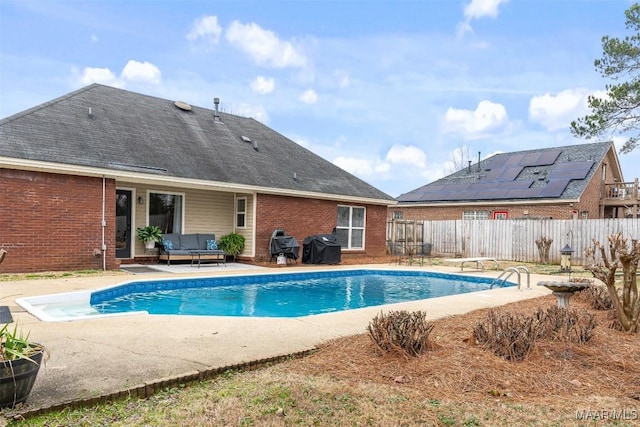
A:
[80, 173]
[578, 181]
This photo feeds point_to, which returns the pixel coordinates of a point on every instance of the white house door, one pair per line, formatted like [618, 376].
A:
[123, 224]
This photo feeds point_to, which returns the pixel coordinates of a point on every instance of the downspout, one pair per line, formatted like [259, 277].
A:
[104, 225]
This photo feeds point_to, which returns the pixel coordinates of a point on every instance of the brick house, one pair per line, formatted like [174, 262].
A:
[578, 181]
[80, 173]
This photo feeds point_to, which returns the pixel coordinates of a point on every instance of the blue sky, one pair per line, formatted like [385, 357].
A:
[399, 93]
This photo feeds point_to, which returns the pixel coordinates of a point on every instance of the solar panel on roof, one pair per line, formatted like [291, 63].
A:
[548, 157]
[493, 174]
[510, 173]
[554, 188]
[571, 170]
[497, 162]
[513, 160]
[515, 185]
[530, 159]
[492, 194]
[523, 193]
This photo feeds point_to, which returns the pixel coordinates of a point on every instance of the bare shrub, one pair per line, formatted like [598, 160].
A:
[561, 324]
[597, 297]
[403, 331]
[603, 260]
[510, 336]
[544, 243]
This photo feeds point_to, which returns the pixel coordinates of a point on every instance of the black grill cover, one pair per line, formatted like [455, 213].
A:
[321, 249]
[285, 245]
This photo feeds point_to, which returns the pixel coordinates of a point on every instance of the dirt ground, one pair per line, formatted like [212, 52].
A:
[557, 381]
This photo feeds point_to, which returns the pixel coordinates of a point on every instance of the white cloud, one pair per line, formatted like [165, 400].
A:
[359, 167]
[144, 72]
[488, 119]
[264, 47]
[255, 111]
[133, 71]
[263, 85]
[206, 29]
[481, 8]
[309, 96]
[94, 38]
[556, 112]
[477, 9]
[99, 75]
[407, 155]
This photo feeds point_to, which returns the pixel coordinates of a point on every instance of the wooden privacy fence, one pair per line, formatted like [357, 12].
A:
[512, 240]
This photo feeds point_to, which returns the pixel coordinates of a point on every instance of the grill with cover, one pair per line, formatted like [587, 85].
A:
[321, 249]
[281, 244]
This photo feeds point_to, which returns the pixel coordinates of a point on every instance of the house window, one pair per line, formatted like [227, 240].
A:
[475, 215]
[165, 211]
[241, 212]
[500, 215]
[350, 227]
[397, 214]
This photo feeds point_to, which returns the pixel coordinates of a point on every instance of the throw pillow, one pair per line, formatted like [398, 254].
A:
[168, 244]
[212, 245]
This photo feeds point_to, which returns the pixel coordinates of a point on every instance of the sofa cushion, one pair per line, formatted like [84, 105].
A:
[174, 238]
[202, 240]
[189, 241]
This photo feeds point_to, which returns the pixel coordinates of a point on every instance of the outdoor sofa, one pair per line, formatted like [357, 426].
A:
[190, 247]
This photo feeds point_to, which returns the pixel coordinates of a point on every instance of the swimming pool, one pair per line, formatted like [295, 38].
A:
[256, 295]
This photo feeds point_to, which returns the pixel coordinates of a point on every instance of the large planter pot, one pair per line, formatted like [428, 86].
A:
[17, 378]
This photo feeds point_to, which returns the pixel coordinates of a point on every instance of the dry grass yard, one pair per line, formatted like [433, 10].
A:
[348, 383]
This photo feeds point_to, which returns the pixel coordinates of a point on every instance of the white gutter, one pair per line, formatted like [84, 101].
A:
[172, 181]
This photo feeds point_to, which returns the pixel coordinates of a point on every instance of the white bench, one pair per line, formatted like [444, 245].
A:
[478, 260]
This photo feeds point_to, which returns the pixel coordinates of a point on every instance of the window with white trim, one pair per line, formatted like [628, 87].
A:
[501, 215]
[475, 215]
[165, 211]
[350, 227]
[241, 212]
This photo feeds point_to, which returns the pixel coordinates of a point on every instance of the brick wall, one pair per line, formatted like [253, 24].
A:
[52, 222]
[555, 211]
[302, 217]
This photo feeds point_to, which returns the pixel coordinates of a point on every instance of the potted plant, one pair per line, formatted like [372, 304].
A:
[149, 235]
[232, 244]
[20, 361]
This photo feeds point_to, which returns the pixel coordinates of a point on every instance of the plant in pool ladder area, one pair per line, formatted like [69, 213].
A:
[232, 244]
[20, 361]
[149, 235]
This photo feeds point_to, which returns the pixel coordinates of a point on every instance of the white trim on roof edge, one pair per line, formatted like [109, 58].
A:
[142, 178]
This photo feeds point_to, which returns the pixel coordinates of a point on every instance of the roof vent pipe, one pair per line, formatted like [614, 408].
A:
[216, 103]
[478, 161]
[255, 145]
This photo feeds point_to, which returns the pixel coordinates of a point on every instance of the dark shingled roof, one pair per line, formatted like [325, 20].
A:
[104, 127]
[550, 173]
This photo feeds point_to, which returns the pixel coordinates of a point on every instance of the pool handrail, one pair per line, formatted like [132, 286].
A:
[510, 272]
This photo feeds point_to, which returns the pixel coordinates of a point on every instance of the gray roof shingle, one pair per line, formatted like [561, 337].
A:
[549, 173]
[104, 127]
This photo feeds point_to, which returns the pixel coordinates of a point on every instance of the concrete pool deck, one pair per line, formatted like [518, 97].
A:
[90, 358]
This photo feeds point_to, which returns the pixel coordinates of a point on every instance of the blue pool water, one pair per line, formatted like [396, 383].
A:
[282, 295]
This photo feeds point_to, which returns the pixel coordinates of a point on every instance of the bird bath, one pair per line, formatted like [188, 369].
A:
[564, 290]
